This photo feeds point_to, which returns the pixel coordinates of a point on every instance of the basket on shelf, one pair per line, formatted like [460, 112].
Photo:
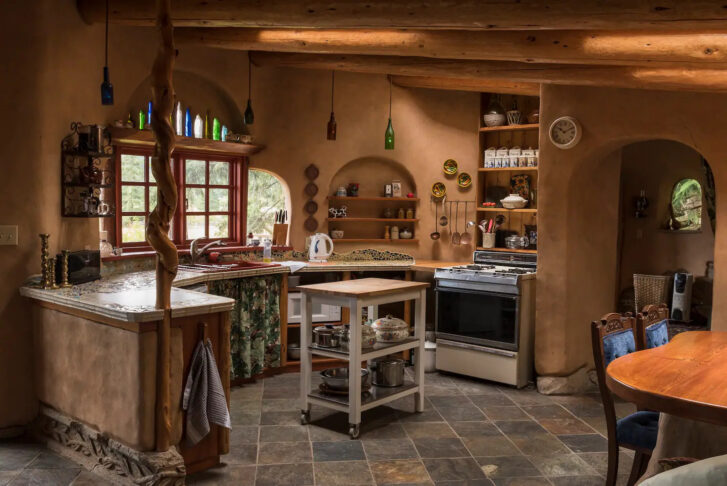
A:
[651, 289]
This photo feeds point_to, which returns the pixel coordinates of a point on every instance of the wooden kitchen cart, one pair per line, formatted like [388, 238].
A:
[355, 295]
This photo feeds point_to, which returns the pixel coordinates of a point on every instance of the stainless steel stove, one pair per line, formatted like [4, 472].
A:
[485, 316]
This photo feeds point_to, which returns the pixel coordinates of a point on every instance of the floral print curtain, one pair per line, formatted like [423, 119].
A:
[255, 335]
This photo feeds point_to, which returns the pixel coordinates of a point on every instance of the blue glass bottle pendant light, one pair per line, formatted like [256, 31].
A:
[249, 116]
[107, 89]
[188, 127]
[389, 135]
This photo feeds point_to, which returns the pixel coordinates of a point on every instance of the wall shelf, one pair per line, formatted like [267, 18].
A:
[373, 198]
[502, 169]
[511, 128]
[374, 240]
[372, 220]
[505, 210]
[132, 136]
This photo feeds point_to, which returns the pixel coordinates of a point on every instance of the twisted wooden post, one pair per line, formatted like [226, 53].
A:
[159, 220]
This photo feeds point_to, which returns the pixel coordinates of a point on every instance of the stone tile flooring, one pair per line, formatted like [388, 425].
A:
[471, 433]
[27, 463]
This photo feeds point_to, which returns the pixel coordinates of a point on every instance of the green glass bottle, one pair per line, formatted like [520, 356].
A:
[389, 137]
[142, 120]
[216, 129]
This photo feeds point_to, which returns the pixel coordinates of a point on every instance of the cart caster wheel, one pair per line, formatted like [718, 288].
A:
[304, 417]
[353, 431]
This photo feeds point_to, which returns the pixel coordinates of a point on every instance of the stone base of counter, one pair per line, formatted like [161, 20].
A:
[106, 457]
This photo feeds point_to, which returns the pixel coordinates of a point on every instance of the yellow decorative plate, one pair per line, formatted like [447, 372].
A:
[464, 180]
[439, 189]
[450, 167]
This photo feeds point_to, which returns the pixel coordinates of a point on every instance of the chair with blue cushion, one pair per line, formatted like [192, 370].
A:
[612, 337]
[652, 326]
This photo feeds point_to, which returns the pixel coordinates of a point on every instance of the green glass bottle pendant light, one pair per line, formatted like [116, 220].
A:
[249, 116]
[107, 89]
[389, 135]
[331, 128]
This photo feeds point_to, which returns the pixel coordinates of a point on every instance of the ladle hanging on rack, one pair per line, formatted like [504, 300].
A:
[443, 221]
[456, 237]
[466, 238]
[435, 234]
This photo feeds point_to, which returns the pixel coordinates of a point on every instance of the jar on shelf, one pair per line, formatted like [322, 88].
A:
[401, 213]
[410, 213]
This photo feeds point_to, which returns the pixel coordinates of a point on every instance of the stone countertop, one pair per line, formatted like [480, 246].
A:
[130, 297]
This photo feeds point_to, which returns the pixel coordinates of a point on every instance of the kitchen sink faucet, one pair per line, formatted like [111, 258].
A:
[195, 252]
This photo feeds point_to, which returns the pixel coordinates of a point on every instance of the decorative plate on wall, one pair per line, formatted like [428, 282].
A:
[310, 224]
[311, 172]
[439, 189]
[450, 167]
[464, 180]
[311, 189]
[311, 207]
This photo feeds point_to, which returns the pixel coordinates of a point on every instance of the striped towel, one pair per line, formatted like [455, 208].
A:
[204, 398]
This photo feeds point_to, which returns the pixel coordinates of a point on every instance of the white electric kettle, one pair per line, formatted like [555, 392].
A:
[318, 251]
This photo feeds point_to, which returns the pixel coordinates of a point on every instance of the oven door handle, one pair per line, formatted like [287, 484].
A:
[473, 347]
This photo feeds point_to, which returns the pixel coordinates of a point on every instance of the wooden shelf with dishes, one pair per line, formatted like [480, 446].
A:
[373, 218]
[495, 183]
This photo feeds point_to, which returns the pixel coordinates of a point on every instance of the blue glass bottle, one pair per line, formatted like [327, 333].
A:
[107, 89]
[148, 113]
[223, 135]
[188, 123]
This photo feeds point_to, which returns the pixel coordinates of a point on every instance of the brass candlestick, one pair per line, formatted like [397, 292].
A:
[52, 273]
[44, 255]
[64, 269]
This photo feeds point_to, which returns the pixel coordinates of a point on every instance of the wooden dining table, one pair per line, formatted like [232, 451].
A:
[685, 380]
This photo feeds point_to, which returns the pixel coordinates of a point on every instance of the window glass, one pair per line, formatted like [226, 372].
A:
[266, 194]
[686, 205]
[219, 226]
[195, 199]
[219, 173]
[195, 227]
[132, 168]
[194, 172]
[132, 199]
[133, 228]
[219, 200]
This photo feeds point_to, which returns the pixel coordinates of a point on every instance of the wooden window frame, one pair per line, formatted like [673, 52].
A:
[238, 195]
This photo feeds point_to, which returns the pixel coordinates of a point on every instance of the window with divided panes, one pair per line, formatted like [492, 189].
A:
[211, 193]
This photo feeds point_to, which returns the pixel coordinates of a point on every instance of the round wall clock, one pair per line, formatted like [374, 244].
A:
[565, 132]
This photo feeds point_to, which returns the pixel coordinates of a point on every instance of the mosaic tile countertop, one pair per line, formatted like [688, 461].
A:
[130, 297]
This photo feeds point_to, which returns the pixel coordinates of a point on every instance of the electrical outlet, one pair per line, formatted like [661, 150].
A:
[9, 235]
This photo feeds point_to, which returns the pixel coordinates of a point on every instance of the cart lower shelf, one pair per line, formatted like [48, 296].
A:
[379, 349]
[377, 395]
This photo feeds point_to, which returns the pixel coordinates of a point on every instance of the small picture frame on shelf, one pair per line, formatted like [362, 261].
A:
[396, 188]
[387, 190]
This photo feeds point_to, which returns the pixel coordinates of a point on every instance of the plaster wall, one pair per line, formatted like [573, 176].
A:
[579, 205]
[657, 166]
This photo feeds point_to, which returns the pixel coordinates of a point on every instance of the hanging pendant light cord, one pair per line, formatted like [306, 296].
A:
[333, 82]
[106, 45]
[249, 77]
[389, 96]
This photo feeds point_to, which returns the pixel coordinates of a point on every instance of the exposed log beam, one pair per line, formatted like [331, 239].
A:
[423, 14]
[468, 84]
[675, 48]
[567, 74]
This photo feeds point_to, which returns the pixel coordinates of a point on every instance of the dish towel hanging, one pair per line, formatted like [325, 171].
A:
[204, 398]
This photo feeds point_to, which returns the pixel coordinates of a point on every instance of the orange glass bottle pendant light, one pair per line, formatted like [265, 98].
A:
[389, 135]
[331, 128]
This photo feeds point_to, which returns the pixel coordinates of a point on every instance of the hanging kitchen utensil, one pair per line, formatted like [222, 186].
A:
[466, 236]
[456, 237]
[443, 221]
[435, 234]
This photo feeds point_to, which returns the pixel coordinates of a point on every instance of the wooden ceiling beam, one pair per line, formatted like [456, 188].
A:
[468, 84]
[674, 48]
[423, 14]
[655, 78]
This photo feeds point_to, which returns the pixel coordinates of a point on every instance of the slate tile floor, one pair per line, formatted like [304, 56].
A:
[472, 432]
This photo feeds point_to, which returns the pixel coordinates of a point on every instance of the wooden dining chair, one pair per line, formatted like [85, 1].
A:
[612, 337]
[652, 326]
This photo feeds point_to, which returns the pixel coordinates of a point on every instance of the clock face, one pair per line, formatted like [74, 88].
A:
[565, 132]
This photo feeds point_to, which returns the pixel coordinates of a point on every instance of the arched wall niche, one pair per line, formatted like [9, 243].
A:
[196, 92]
[372, 174]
